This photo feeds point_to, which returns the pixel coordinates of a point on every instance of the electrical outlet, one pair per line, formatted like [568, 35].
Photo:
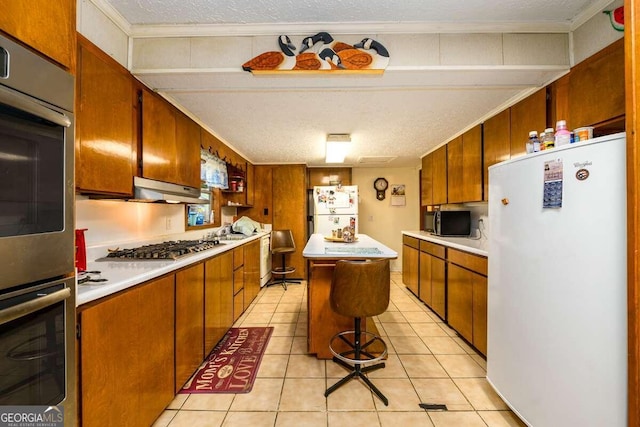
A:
[168, 222]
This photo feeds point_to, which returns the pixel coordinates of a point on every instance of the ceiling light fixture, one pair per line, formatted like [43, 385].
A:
[338, 145]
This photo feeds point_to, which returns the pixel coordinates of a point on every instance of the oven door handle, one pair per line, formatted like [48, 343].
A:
[25, 103]
[26, 308]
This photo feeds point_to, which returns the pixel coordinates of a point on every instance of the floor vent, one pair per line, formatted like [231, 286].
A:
[433, 407]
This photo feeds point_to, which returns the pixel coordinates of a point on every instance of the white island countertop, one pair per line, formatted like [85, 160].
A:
[474, 246]
[364, 247]
[122, 274]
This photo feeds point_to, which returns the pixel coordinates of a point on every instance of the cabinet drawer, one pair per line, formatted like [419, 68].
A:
[432, 248]
[410, 241]
[469, 261]
[238, 280]
[238, 257]
[238, 305]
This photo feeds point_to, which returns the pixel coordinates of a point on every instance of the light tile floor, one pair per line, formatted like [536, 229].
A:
[427, 363]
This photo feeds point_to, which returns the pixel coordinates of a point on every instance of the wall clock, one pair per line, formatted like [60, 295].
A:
[380, 184]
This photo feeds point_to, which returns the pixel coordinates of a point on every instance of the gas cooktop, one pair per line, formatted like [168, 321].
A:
[171, 250]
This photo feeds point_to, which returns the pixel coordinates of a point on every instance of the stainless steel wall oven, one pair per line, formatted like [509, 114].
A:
[37, 283]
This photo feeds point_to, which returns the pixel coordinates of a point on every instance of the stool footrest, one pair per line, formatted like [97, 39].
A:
[281, 270]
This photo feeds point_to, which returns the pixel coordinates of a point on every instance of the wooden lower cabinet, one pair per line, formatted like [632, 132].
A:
[238, 283]
[411, 264]
[324, 323]
[218, 299]
[433, 279]
[467, 297]
[189, 322]
[460, 301]
[251, 271]
[126, 356]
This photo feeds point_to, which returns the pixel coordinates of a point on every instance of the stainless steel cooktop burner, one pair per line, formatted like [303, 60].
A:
[171, 250]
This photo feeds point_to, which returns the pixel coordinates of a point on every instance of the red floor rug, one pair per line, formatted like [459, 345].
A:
[233, 364]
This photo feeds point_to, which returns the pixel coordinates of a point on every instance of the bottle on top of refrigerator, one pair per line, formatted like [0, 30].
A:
[563, 136]
[533, 144]
[541, 138]
[549, 139]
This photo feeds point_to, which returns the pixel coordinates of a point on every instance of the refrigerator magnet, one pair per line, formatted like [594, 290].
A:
[552, 192]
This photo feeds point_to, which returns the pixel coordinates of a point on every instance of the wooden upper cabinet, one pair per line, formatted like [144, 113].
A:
[328, 176]
[472, 164]
[47, 26]
[159, 148]
[439, 177]
[170, 143]
[455, 181]
[188, 149]
[497, 143]
[426, 192]
[527, 115]
[597, 88]
[105, 126]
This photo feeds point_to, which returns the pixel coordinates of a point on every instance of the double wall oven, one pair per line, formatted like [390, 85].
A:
[37, 283]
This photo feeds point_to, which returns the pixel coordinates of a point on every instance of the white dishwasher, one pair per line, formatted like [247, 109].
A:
[265, 259]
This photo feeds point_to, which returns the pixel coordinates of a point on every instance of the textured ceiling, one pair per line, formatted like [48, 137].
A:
[314, 11]
[404, 114]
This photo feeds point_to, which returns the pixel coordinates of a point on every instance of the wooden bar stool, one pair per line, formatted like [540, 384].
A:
[359, 289]
[282, 243]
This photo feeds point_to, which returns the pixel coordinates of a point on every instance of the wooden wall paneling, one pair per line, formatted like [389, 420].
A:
[106, 139]
[472, 164]
[496, 143]
[632, 90]
[262, 210]
[558, 102]
[289, 210]
[597, 88]
[249, 185]
[439, 166]
[455, 181]
[47, 26]
[527, 115]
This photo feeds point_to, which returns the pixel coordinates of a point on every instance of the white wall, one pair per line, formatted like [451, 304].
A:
[115, 223]
[594, 35]
[379, 219]
[92, 23]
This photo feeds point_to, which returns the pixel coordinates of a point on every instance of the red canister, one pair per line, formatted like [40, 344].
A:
[81, 250]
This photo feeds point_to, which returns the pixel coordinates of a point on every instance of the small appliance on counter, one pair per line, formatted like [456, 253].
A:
[448, 223]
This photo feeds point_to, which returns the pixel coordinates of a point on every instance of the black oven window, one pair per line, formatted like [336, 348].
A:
[32, 356]
[31, 174]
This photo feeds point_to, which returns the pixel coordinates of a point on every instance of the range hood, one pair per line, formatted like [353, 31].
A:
[148, 190]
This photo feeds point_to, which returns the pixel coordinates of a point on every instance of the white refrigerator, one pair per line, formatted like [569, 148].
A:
[334, 208]
[557, 323]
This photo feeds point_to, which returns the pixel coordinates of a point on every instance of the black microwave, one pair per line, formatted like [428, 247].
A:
[448, 223]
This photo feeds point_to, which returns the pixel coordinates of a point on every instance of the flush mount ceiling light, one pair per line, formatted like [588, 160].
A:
[338, 145]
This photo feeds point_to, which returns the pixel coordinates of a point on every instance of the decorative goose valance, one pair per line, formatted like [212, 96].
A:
[321, 53]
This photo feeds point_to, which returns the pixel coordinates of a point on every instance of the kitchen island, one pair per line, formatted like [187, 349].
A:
[322, 256]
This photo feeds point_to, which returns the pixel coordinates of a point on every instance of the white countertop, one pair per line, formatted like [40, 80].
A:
[474, 246]
[363, 247]
[121, 275]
